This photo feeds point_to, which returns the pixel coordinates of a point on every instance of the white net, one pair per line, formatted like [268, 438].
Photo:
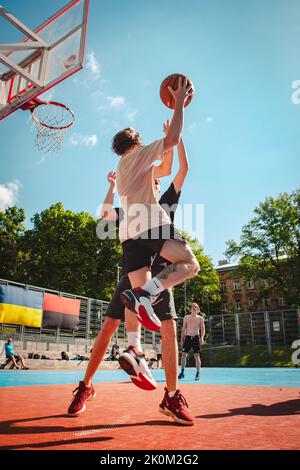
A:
[52, 121]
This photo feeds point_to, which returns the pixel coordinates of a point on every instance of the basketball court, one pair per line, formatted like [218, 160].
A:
[235, 409]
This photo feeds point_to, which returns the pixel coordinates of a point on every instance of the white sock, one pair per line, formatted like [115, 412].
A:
[154, 287]
[134, 339]
[171, 394]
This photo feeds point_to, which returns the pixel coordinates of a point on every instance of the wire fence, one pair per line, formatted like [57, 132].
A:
[230, 337]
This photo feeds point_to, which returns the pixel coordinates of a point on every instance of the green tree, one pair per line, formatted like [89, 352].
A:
[269, 247]
[12, 229]
[64, 253]
[204, 288]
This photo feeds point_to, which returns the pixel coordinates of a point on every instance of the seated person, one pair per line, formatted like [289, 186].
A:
[115, 352]
[15, 358]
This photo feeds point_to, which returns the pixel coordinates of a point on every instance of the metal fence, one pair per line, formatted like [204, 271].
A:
[238, 333]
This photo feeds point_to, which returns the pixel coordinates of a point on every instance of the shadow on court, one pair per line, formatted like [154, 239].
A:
[285, 408]
[13, 427]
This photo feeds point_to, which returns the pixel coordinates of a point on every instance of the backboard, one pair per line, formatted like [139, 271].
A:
[46, 56]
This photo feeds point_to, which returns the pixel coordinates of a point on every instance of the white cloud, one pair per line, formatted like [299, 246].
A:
[115, 101]
[93, 65]
[192, 127]
[84, 140]
[9, 194]
[131, 115]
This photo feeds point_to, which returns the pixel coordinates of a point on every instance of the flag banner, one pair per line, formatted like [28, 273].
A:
[61, 312]
[21, 306]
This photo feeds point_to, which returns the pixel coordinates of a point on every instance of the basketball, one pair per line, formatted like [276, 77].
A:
[172, 81]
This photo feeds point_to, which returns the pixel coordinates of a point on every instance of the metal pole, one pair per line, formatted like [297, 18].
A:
[88, 319]
[252, 330]
[268, 335]
[223, 328]
[118, 273]
[237, 336]
[185, 297]
[210, 340]
[283, 329]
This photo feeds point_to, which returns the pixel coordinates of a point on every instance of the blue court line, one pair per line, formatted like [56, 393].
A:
[276, 377]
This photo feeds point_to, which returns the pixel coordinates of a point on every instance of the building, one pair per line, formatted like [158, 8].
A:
[242, 295]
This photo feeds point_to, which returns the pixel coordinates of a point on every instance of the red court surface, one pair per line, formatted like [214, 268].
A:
[124, 417]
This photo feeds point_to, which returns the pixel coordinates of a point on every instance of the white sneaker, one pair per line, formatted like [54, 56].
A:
[133, 362]
[139, 301]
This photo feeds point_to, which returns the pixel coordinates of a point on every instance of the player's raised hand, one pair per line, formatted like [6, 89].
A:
[111, 177]
[183, 91]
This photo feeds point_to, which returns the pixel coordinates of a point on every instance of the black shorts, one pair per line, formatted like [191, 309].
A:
[164, 305]
[192, 342]
[16, 356]
[138, 252]
[158, 357]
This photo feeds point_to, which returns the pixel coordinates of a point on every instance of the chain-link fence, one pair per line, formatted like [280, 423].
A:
[236, 339]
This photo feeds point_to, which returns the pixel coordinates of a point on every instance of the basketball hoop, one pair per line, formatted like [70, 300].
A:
[52, 120]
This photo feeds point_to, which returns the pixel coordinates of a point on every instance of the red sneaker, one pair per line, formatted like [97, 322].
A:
[84, 393]
[176, 407]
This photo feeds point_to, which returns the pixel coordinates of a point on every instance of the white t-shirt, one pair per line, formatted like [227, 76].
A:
[136, 190]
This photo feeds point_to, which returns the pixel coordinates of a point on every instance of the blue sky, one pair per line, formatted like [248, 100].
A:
[241, 130]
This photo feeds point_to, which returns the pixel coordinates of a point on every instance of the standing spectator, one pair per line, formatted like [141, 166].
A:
[158, 349]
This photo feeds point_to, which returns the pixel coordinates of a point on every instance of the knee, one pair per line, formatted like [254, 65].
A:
[193, 266]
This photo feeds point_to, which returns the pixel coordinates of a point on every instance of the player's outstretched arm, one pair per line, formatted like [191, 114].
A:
[179, 179]
[165, 168]
[180, 95]
[107, 210]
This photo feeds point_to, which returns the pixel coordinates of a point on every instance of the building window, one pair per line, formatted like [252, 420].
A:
[250, 284]
[251, 303]
[224, 307]
[281, 301]
[237, 304]
[266, 302]
[223, 286]
[236, 285]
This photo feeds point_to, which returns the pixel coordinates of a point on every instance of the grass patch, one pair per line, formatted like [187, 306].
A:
[247, 356]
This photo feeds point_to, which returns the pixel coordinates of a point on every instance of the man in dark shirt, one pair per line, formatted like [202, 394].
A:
[132, 360]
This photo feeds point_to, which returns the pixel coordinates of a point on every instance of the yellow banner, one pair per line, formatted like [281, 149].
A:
[18, 315]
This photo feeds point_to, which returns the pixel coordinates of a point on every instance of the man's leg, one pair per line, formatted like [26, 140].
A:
[14, 361]
[85, 391]
[170, 353]
[183, 364]
[198, 365]
[184, 266]
[173, 404]
[21, 359]
[100, 347]
[133, 326]
[132, 360]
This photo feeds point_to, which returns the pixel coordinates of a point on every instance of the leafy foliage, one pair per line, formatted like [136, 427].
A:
[269, 247]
